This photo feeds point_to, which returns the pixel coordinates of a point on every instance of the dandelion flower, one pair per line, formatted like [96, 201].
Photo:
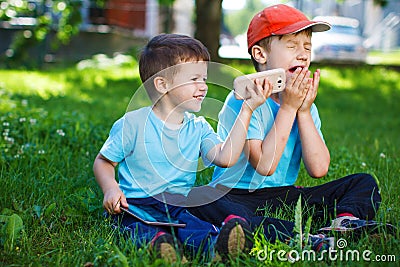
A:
[60, 132]
[363, 164]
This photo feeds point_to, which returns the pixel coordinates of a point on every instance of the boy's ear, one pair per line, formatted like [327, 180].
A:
[160, 83]
[259, 54]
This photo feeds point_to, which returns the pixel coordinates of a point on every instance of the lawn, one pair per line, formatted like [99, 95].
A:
[385, 58]
[53, 123]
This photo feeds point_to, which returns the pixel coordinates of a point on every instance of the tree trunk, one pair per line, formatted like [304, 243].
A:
[208, 24]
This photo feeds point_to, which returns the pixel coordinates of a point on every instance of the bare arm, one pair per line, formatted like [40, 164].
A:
[315, 153]
[227, 153]
[264, 155]
[104, 171]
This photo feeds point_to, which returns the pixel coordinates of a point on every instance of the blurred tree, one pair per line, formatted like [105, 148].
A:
[382, 3]
[167, 14]
[208, 24]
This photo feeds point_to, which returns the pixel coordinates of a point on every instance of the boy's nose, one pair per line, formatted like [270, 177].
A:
[303, 55]
[203, 86]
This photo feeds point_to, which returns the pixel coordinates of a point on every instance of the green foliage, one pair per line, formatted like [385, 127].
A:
[69, 22]
[298, 225]
[11, 230]
[301, 231]
[110, 255]
[61, 16]
[12, 8]
[29, 38]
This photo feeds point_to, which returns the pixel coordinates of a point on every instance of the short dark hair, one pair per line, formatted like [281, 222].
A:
[167, 50]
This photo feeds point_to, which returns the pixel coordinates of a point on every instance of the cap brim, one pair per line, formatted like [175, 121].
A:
[317, 26]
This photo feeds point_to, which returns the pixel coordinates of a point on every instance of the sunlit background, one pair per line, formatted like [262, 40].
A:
[117, 26]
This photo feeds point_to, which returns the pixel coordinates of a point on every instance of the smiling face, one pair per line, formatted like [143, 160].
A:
[188, 88]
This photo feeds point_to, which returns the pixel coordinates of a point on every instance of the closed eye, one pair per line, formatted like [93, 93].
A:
[199, 79]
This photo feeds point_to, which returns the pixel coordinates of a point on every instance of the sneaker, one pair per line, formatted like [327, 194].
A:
[234, 238]
[165, 246]
[347, 224]
[320, 242]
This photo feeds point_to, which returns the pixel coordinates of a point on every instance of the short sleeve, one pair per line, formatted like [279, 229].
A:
[209, 140]
[118, 141]
[261, 122]
[112, 148]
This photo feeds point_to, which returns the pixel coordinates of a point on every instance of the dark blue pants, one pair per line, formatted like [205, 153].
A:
[219, 206]
[198, 236]
[357, 194]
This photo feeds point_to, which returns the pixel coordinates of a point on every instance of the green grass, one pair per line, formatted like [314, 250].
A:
[384, 58]
[54, 122]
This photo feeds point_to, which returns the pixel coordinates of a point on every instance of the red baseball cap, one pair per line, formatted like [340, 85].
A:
[279, 20]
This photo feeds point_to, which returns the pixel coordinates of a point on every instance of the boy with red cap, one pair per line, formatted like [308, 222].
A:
[285, 130]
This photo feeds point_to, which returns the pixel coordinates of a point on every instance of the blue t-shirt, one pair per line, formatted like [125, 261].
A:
[153, 158]
[242, 175]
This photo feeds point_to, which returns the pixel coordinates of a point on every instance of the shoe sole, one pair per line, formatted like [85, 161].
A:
[237, 240]
[168, 253]
[167, 250]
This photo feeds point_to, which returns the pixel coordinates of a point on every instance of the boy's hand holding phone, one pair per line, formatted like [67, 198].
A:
[243, 85]
[256, 96]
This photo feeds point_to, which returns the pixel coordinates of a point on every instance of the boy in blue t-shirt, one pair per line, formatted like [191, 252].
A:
[157, 149]
[283, 131]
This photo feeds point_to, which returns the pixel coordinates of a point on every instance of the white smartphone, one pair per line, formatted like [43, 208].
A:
[276, 76]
